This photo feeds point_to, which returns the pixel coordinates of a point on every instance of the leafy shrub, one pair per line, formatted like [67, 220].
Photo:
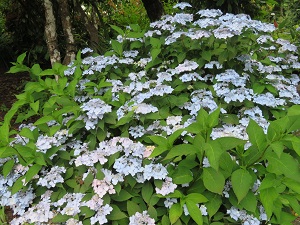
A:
[193, 122]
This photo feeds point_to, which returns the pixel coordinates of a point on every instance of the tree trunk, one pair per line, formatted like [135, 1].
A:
[92, 30]
[67, 28]
[154, 9]
[50, 33]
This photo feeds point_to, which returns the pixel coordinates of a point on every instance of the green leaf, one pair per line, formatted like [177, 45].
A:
[21, 58]
[147, 192]
[269, 181]
[132, 208]
[71, 183]
[206, 55]
[214, 203]
[35, 106]
[258, 88]
[117, 47]
[33, 170]
[181, 56]
[229, 143]
[26, 132]
[59, 218]
[159, 140]
[249, 202]
[256, 135]
[4, 133]
[25, 151]
[180, 150]
[286, 165]
[155, 52]
[214, 181]
[294, 110]
[230, 118]
[194, 212]
[277, 147]
[155, 42]
[152, 212]
[213, 118]
[182, 175]
[135, 34]
[293, 124]
[36, 69]
[7, 167]
[116, 213]
[267, 197]
[274, 131]
[17, 186]
[87, 212]
[241, 181]
[292, 184]
[47, 72]
[196, 198]
[165, 220]
[175, 212]
[118, 29]
[122, 196]
[213, 151]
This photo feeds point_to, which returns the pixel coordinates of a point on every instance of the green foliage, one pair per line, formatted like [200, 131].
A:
[205, 152]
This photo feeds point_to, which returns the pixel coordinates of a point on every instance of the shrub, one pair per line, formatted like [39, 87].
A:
[193, 122]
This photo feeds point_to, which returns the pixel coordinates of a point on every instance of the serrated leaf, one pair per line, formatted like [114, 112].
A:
[241, 181]
[214, 181]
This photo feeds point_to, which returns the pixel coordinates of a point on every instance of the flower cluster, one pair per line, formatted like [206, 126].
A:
[142, 127]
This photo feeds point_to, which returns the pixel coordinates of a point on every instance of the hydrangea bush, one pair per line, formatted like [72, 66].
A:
[192, 122]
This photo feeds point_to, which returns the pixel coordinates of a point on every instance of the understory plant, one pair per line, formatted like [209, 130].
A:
[194, 121]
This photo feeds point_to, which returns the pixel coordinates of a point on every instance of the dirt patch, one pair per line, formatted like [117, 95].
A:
[10, 86]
